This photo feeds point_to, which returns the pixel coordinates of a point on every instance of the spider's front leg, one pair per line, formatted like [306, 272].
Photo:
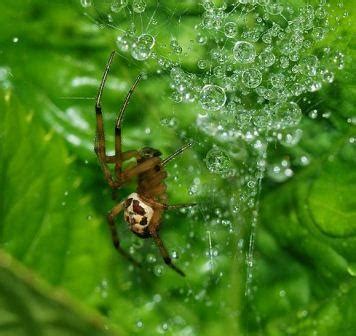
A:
[165, 255]
[114, 234]
[179, 206]
[99, 146]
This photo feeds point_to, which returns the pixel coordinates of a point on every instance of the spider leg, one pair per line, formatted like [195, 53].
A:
[124, 156]
[167, 259]
[129, 173]
[100, 134]
[118, 127]
[164, 206]
[114, 234]
[176, 153]
[179, 206]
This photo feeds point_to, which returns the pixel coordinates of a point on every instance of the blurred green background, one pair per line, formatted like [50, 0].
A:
[59, 274]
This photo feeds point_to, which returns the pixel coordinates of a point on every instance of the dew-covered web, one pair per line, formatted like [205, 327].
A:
[244, 69]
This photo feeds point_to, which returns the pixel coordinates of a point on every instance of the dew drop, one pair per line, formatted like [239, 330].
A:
[291, 137]
[244, 52]
[176, 47]
[212, 97]
[252, 78]
[138, 6]
[158, 270]
[287, 114]
[202, 64]
[123, 43]
[218, 161]
[118, 5]
[267, 58]
[273, 7]
[85, 3]
[141, 48]
[230, 29]
[277, 80]
[280, 171]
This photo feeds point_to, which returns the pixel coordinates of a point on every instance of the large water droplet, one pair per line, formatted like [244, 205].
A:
[230, 29]
[252, 78]
[212, 97]
[244, 52]
[287, 114]
[266, 58]
[142, 47]
[218, 161]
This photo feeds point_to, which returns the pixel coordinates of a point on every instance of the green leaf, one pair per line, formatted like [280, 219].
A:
[29, 307]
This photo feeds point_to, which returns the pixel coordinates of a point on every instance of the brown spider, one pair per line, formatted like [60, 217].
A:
[143, 209]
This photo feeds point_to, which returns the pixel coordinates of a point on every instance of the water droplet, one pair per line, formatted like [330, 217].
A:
[339, 60]
[218, 161]
[230, 29]
[291, 137]
[158, 270]
[176, 47]
[304, 160]
[266, 58]
[123, 43]
[118, 5]
[277, 80]
[85, 3]
[287, 114]
[202, 64]
[212, 97]
[313, 114]
[274, 7]
[252, 78]
[151, 258]
[141, 48]
[244, 52]
[309, 65]
[138, 6]
[208, 5]
[328, 76]
[280, 171]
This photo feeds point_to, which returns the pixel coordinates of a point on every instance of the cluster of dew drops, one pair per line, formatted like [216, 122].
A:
[260, 57]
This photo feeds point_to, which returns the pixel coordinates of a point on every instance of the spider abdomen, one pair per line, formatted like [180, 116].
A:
[138, 215]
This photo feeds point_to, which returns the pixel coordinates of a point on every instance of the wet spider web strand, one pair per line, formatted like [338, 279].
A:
[250, 255]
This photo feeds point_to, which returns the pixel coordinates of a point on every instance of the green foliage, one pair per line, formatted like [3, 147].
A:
[29, 307]
[53, 200]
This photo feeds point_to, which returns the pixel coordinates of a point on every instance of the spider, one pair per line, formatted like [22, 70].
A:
[143, 209]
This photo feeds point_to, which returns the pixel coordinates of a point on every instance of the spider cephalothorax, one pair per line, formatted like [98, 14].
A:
[148, 152]
[144, 208]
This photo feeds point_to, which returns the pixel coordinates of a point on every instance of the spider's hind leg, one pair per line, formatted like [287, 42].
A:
[165, 255]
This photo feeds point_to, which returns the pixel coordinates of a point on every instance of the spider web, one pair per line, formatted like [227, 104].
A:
[235, 160]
